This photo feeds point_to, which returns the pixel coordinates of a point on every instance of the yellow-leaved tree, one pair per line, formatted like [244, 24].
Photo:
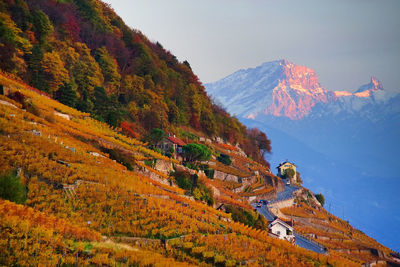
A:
[55, 71]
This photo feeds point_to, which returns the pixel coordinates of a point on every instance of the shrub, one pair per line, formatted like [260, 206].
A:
[209, 173]
[187, 245]
[230, 263]
[246, 216]
[208, 254]
[320, 198]
[218, 259]
[203, 193]
[31, 107]
[120, 157]
[225, 159]
[189, 135]
[182, 178]
[17, 96]
[191, 166]
[198, 250]
[12, 189]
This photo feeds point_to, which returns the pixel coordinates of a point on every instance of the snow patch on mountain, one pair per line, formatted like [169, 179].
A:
[281, 88]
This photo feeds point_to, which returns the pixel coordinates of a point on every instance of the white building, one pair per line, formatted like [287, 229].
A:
[281, 230]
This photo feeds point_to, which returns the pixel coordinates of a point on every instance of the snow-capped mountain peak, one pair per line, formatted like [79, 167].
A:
[282, 88]
[373, 85]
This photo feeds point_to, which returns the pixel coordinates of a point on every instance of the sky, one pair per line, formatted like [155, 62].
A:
[344, 41]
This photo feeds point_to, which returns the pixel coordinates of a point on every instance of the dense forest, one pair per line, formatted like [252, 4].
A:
[82, 54]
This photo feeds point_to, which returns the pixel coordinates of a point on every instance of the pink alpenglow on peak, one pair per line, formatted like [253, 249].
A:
[373, 86]
[342, 93]
[283, 89]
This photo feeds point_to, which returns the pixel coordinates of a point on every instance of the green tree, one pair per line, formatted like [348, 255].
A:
[85, 70]
[106, 108]
[12, 189]
[298, 178]
[196, 152]
[289, 173]
[43, 26]
[155, 136]
[132, 87]
[183, 179]
[11, 34]
[12, 46]
[67, 95]
[208, 122]
[321, 199]
[109, 68]
[85, 104]
[38, 79]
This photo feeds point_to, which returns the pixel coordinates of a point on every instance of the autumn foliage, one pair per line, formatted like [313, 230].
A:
[84, 55]
[77, 193]
[84, 168]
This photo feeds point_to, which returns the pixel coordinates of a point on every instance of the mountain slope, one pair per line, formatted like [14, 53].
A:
[81, 53]
[355, 133]
[57, 152]
[281, 88]
[73, 166]
[290, 98]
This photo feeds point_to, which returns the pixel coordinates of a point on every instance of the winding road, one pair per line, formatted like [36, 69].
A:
[301, 241]
[264, 211]
[287, 193]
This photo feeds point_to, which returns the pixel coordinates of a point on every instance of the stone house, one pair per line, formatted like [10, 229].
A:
[173, 142]
[283, 167]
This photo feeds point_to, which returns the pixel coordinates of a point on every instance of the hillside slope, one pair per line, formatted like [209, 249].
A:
[57, 153]
[82, 54]
[93, 193]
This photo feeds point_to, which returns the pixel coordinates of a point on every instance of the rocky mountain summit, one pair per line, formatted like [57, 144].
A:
[281, 88]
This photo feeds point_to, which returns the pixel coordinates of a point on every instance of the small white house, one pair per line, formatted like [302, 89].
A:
[281, 230]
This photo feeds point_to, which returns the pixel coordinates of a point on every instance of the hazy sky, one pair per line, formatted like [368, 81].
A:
[344, 41]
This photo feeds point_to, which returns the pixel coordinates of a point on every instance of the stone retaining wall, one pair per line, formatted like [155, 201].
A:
[225, 176]
[164, 166]
[274, 182]
[245, 182]
[151, 175]
[267, 196]
[282, 204]
[138, 241]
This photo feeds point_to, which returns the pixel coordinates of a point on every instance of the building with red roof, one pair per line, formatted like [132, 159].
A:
[172, 144]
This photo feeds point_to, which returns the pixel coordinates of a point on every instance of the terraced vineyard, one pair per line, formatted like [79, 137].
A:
[81, 190]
